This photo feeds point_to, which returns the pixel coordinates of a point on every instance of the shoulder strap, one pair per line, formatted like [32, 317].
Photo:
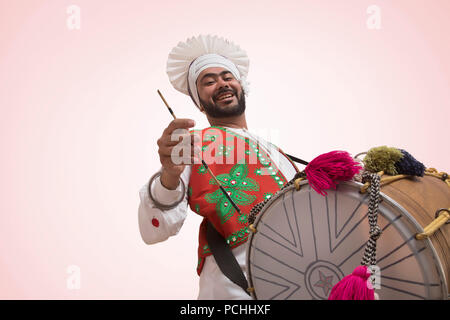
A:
[225, 258]
[295, 159]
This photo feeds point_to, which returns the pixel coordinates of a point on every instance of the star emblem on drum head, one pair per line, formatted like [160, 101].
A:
[326, 283]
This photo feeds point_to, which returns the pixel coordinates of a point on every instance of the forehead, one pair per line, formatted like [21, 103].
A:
[214, 70]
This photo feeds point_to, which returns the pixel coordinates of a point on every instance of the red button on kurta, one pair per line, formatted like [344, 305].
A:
[155, 222]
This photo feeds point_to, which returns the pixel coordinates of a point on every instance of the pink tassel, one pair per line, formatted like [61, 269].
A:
[354, 286]
[325, 170]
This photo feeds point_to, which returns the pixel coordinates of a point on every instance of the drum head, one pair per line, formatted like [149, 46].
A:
[305, 243]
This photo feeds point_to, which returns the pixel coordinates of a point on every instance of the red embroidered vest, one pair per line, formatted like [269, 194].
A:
[247, 174]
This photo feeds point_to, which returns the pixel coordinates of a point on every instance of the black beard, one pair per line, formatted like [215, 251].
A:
[225, 111]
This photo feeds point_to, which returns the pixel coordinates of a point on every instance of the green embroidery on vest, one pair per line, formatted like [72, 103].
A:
[243, 218]
[209, 137]
[201, 169]
[268, 195]
[206, 249]
[235, 183]
[224, 150]
[264, 159]
[238, 236]
[267, 169]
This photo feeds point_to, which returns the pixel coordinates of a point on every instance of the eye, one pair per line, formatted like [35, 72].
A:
[228, 79]
[208, 83]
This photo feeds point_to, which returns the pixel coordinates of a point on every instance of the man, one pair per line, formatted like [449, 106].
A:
[212, 72]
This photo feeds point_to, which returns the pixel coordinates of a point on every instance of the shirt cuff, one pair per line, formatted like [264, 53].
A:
[163, 195]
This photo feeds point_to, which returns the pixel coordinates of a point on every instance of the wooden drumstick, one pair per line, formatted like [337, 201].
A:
[167, 105]
[203, 161]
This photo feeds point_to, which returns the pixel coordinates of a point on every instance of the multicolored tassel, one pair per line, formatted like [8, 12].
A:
[392, 161]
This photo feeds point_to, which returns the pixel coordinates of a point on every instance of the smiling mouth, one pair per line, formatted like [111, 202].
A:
[224, 97]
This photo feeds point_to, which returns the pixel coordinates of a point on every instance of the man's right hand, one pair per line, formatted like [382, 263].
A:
[170, 175]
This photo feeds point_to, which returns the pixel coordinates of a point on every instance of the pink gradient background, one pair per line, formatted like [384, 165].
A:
[80, 118]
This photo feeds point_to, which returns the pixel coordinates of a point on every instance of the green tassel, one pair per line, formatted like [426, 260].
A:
[382, 159]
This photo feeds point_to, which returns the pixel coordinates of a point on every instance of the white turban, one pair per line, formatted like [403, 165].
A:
[187, 60]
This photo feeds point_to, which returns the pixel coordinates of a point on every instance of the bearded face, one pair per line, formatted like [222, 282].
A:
[220, 94]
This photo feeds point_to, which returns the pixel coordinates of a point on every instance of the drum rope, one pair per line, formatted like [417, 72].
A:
[370, 251]
[429, 172]
[442, 215]
[441, 175]
[439, 220]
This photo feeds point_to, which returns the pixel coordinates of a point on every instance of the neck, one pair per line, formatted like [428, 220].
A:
[238, 122]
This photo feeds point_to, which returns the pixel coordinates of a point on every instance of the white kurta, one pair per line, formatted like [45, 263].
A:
[213, 283]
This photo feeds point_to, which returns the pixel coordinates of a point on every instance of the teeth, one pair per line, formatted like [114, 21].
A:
[226, 96]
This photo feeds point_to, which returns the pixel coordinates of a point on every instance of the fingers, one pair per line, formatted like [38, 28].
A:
[172, 156]
[177, 146]
[179, 124]
[179, 151]
[178, 137]
[183, 150]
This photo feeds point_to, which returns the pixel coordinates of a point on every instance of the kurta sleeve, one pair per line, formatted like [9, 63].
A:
[156, 225]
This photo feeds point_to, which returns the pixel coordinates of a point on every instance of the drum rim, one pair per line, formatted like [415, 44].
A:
[385, 197]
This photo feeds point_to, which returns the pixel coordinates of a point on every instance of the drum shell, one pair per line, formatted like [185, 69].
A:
[394, 214]
[422, 197]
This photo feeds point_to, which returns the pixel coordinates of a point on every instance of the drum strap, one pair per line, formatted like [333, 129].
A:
[295, 159]
[225, 258]
[221, 251]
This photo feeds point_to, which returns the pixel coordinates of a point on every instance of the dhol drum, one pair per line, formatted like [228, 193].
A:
[304, 243]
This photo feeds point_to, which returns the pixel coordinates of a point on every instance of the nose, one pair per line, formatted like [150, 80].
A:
[222, 83]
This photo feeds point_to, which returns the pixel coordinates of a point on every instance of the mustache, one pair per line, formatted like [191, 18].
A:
[224, 91]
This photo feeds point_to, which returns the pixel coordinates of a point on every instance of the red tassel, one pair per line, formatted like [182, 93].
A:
[354, 286]
[325, 170]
